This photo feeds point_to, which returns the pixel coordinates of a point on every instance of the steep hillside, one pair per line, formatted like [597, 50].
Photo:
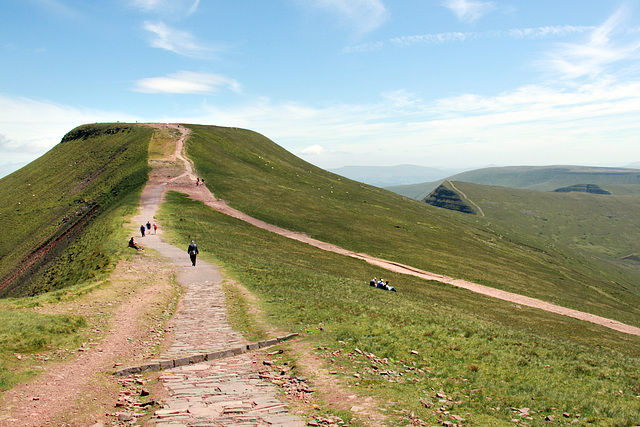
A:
[542, 178]
[431, 352]
[260, 178]
[61, 207]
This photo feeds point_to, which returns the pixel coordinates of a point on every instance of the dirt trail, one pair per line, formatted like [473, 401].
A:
[470, 201]
[203, 194]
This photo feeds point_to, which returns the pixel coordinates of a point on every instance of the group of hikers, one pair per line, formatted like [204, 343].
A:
[147, 228]
[381, 284]
[144, 229]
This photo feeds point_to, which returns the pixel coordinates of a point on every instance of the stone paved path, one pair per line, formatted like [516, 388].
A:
[225, 392]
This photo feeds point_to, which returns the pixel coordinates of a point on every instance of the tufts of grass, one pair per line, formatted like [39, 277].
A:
[484, 357]
[28, 333]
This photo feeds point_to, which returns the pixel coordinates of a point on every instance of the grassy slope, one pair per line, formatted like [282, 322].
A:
[81, 181]
[40, 201]
[486, 355]
[262, 179]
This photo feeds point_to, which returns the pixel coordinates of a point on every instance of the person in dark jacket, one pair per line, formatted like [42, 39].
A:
[192, 250]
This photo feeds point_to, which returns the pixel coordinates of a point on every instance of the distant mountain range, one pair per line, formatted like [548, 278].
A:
[387, 176]
[541, 178]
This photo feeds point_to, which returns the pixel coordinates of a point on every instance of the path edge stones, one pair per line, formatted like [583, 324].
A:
[159, 365]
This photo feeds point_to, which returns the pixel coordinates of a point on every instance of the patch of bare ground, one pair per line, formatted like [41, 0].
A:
[328, 392]
[125, 317]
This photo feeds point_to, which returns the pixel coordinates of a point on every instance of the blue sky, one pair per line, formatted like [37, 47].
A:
[441, 83]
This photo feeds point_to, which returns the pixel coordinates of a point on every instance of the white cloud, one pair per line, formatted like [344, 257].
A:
[594, 124]
[314, 150]
[187, 82]
[457, 36]
[363, 15]
[433, 38]
[31, 127]
[177, 41]
[469, 10]
[607, 44]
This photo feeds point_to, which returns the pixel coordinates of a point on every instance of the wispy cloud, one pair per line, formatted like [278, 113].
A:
[363, 15]
[177, 41]
[456, 36]
[187, 82]
[469, 10]
[607, 44]
[533, 124]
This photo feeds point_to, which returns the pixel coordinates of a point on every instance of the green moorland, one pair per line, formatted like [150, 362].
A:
[601, 226]
[430, 350]
[260, 178]
[66, 209]
[542, 178]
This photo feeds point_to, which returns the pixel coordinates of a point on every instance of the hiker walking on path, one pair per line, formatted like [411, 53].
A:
[155, 228]
[193, 252]
[142, 230]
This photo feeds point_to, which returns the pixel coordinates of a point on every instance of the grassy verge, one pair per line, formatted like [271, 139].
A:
[430, 349]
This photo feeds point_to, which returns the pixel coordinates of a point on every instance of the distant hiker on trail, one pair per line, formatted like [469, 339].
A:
[155, 228]
[133, 244]
[372, 282]
[198, 182]
[142, 230]
[148, 226]
[192, 250]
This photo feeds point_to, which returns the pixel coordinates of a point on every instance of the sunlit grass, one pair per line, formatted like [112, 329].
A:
[486, 356]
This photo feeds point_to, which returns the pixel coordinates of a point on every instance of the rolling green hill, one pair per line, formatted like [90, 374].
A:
[59, 210]
[260, 178]
[427, 352]
[429, 339]
[600, 226]
[542, 178]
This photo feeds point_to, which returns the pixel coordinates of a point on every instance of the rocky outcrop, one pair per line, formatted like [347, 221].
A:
[444, 197]
[583, 188]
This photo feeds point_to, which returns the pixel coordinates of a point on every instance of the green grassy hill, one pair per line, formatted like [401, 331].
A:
[542, 178]
[426, 353]
[59, 210]
[260, 178]
[599, 226]
[481, 356]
